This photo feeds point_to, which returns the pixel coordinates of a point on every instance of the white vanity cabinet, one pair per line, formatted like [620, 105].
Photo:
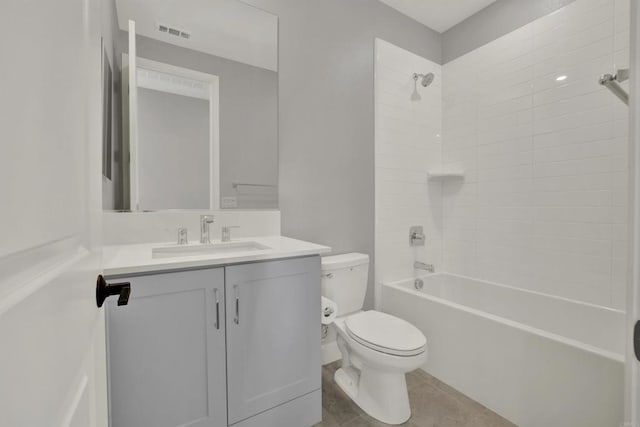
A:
[227, 346]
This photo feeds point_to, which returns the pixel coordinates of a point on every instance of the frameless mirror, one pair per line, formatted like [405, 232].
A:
[192, 88]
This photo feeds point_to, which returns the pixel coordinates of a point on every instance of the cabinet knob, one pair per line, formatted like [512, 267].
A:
[105, 290]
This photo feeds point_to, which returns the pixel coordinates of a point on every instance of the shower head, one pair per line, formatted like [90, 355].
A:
[426, 79]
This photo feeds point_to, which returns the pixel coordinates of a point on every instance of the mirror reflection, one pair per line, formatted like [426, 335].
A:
[197, 103]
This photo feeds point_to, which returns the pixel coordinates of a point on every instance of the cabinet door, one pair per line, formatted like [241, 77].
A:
[273, 334]
[166, 351]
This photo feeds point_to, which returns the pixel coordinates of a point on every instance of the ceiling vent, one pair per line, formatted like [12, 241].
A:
[172, 31]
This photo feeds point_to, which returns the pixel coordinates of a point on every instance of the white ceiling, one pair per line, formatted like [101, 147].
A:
[226, 28]
[439, 15]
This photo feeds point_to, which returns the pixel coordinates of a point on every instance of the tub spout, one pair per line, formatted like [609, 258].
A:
[422, 266]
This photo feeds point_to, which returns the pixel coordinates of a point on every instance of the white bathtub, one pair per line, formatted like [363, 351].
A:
[537, 360]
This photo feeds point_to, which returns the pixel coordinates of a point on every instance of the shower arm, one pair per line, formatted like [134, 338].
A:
[612, 82]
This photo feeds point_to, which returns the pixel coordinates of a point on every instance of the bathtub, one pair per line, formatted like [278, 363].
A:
[535, 359]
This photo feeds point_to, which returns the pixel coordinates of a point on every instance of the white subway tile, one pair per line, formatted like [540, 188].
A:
[544, 201]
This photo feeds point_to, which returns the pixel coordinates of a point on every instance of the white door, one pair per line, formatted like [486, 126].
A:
[632, 403]
[52, 356]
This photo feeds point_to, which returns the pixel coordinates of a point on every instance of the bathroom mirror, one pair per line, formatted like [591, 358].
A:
[194, 109]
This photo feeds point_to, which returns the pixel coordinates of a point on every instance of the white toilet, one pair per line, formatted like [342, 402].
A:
[377, 348]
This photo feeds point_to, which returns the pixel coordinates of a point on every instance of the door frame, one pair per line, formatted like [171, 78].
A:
[213, 82]
[632, 366]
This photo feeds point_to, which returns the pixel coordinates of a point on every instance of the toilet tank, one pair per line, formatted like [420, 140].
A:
[344, 281]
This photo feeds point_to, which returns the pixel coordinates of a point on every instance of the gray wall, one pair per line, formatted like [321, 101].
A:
[494, 21]
[326, 123]
[326, 104]
[173, 151]
[248, 111]
[327, 114]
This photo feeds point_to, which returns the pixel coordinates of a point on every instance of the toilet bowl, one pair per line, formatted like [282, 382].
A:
[377, 349]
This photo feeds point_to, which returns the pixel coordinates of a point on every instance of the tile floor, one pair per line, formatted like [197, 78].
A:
[433, 404]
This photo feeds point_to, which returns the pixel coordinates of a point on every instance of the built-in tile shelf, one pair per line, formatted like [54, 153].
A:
[440, 175]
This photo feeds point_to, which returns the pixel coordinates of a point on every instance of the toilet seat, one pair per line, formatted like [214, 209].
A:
[385, 333]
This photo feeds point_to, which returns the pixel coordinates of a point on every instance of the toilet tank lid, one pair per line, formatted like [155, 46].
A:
[345, 260]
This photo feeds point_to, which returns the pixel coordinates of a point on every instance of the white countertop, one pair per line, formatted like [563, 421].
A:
[137, 258]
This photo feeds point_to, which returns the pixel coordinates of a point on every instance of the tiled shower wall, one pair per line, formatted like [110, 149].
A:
[407, 145]
[544, 204]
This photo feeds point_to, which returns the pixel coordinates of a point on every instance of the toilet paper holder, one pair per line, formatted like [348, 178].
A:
[328, 311]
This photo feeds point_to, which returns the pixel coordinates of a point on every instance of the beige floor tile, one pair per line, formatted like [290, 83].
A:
[433, 404]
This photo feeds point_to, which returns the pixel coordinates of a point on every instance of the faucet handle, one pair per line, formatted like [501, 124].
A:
[226, 232]
[416, 236]
[183, 237]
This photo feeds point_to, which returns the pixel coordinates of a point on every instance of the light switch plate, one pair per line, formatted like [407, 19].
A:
[229, 202]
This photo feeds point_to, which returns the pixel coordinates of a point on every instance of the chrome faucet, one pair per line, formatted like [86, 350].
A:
[225, 235]
[205, 221]
[422, 266]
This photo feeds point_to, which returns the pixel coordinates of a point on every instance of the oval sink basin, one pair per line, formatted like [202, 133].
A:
[228, 248]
